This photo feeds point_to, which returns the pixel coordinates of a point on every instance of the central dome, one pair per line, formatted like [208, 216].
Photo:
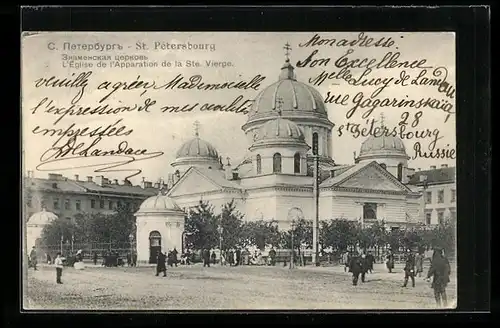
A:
[383, 145]
[293, 98]
[197, 147]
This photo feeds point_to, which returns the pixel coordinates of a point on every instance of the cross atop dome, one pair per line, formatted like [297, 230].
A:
[288, 49]
[287, 68]
[382, 119]
[196, 125]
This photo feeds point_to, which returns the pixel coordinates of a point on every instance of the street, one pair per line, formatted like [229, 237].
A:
[234, 288]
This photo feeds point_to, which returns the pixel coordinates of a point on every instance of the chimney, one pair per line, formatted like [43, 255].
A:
[444, 166]
[30, 174]
[146, 184]
[55, 176]
[127, 182]
[157, 185]
[433, 167]
[101, 180]
[418, 169]
[89, 178]
[76, 177]
[115, 181]
[228, 170]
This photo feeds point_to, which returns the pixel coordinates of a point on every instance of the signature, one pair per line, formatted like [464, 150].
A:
[81, 155]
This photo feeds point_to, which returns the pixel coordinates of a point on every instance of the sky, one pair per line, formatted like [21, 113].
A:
[249, 54]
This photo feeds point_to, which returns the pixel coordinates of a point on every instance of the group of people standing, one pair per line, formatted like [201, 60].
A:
[439, 270]
[163, 259]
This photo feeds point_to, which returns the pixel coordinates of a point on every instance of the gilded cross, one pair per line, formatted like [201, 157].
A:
[196, 128]
[288, 49]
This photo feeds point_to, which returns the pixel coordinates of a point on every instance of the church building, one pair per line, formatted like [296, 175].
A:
[275, 182]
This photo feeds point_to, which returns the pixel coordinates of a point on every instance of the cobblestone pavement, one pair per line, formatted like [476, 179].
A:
[245, 287]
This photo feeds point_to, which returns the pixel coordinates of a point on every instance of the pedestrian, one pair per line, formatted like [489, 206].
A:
[33, 258]
[409, 268]
[134, 259]
[440, 271]
[370, 260]
[213, 257]
[59, 267]
[174, 256]
[206, 258]
[160, 264]
[346, 258]
[272, 256]
[356, 268]
[419, 264]
[49, 259]
[94, 258]
[238, 257]
[129, 259]
[390, 261]
[230, 257]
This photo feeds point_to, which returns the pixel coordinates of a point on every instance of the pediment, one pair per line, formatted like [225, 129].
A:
[372, 178]
[193, 182]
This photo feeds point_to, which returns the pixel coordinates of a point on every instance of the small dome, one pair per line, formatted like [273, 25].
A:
[197, 147]
[159, 204]
[279, 129]
[383, 145]
[41, 218]
[294, 98]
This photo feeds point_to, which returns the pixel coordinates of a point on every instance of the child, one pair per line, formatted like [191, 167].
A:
[59, 267]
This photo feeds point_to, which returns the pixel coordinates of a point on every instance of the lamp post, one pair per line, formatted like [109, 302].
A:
[220, 230]
[61, 245]
[292, 263]
[316, 175]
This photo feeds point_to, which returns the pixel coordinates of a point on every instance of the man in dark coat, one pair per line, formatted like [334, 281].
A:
[94, 258]
[356, 268]
[370, 259]
[409, 268]
[174, 256]
[440, 271]
[272, 256]
[160, 264]
[238, 257]
[206, 258]
[33, 258]
[390, 261]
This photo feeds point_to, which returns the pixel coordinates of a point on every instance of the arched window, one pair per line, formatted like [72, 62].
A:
[259, 164]
[315, 144]
[400, 172]
[370, 211]
[277, 163]
[383, 166]
[296, 163]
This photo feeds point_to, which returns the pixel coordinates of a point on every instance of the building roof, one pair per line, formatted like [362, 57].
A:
[159, 204]
[41, 218]
[218, 177]
[435, 176]
[63, 185]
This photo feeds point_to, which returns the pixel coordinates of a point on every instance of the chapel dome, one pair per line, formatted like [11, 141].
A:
[159, 204]
[197, 147]
[41, 218]
[279, 129]
[293, 98]
[382, 146]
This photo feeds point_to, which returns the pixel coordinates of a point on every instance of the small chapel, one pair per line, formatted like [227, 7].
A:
[287, 121]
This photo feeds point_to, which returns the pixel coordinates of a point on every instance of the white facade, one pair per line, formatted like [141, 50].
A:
[160, 226]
